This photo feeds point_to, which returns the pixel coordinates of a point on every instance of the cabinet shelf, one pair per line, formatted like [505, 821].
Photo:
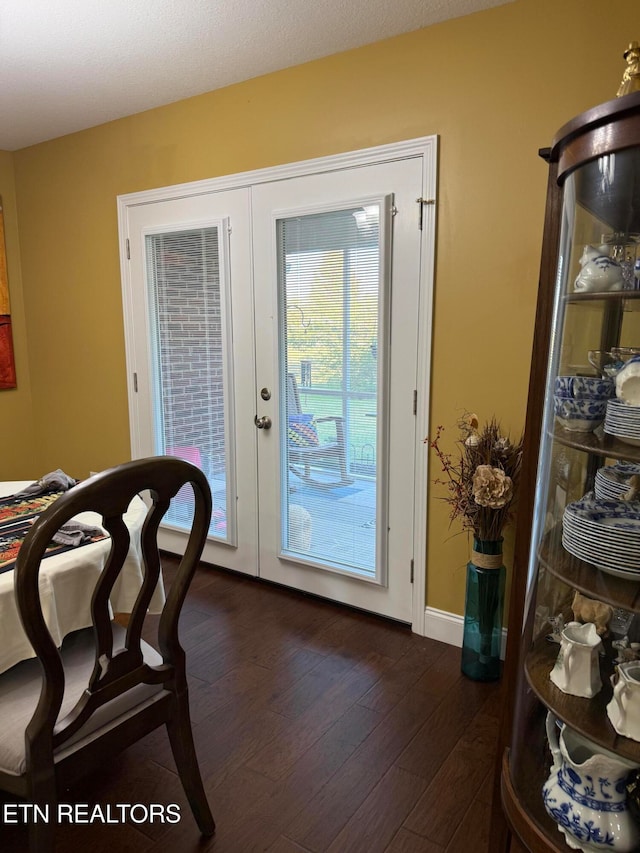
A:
[597, 444]
[629, 298]
[524, 808]
[585, 577]
[587, 716]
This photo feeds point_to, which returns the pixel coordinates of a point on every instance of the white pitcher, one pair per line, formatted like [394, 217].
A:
[577, 667]
[624, 708]
[586, 793]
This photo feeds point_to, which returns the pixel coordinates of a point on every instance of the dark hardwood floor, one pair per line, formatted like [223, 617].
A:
[317, 728]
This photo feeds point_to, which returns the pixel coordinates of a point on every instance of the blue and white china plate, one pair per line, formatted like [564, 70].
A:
[623, 421]
[613, 480]
[623, 529]
[602, 551]
[605, 533]
[598, 511]
[623, 412]
[602, 559]
[622, 408]
[622, 427]
[623, 551]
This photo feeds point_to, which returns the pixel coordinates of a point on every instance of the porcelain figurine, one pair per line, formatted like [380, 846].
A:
[586, 795]
[590, 253]
[557, 626]
[598, 272]
[577, 667]
[626, 651]
[631, 78]
[591, 610]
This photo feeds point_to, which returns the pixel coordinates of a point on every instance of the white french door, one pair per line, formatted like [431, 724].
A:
[273, 339]
[190, 355]
[337, 285]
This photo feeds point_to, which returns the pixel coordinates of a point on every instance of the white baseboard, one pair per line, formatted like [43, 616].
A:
[448, 628]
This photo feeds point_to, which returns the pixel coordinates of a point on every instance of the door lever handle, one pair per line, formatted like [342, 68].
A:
[262, 423]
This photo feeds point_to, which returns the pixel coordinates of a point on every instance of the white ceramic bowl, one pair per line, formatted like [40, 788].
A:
[628, 382]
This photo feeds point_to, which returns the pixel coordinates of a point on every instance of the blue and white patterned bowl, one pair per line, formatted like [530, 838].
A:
[584, 387]
[579, 415]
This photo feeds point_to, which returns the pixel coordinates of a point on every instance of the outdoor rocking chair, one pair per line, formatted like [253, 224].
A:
[307, 450]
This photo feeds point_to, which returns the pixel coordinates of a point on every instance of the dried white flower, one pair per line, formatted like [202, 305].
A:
[472, 440]
[491, 487]
[472, 421]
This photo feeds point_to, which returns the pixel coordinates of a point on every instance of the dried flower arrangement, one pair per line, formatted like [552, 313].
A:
[482, 482]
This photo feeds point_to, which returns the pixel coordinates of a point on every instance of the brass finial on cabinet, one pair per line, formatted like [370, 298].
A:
[631, 77]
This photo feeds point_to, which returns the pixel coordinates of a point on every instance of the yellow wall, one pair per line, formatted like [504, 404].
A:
[494, 86]
[19, 458]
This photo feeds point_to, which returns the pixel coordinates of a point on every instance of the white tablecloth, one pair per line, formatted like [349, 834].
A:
[67, 582]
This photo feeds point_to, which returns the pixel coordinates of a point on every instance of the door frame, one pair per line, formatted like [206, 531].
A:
[424, 147]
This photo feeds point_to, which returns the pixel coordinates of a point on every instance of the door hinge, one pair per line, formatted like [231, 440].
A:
[135, 382]
[128, 250]
[412, 571]
[415, 401]
[421, 203]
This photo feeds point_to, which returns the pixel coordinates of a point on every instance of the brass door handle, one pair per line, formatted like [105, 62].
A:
[262, 423]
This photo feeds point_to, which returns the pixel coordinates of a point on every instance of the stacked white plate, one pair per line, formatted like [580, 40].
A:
[613, 481]
[623, 421]
[605, 533]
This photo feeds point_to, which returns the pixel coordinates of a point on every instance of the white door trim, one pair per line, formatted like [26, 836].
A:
[425, 147]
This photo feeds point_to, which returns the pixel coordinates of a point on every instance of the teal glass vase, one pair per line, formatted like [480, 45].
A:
[483, 609]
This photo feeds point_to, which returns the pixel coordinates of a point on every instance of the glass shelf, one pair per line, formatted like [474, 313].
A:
[587, 716]
[629, 298]
[585, 577]
[597, 444]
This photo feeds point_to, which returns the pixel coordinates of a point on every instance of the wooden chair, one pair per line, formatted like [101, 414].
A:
[67, 712]
[323, 454]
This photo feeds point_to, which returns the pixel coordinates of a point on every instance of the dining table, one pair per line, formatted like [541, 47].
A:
[67, 581]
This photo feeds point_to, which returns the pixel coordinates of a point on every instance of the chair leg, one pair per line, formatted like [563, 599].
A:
[42, 836]
[345, 479]
[342, 453]
[184, 754]
[41, 832]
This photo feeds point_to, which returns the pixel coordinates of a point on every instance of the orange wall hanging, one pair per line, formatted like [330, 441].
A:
[7, 362]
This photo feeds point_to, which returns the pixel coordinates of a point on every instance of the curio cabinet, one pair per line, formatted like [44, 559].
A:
[569, 775]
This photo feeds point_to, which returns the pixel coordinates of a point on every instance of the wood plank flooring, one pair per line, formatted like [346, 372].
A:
[318, 728]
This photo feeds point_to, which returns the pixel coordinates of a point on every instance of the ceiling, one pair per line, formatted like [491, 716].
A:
[66, 65]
